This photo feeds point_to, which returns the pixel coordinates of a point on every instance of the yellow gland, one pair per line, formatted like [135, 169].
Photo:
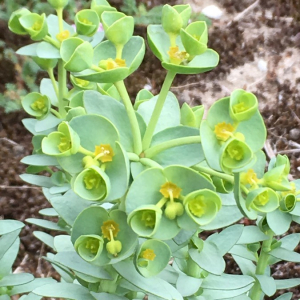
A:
[223, 131]
[170, 190]
[63, 35]
[240, 107]
[85, 21]
[262, 199]
[39, 105]
[37, 26]
[235, 151]
[104, 153]
[65, 144]
[176, 56]
[249, 177]
[81, 82]
[92, 180]
[92, 245]
[148, 254]
[110, 229]
[149, 219]
[197, 206]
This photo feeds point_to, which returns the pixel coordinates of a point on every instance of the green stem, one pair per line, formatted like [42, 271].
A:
[135, 128]
[51, 76]
[262, 263]
[86, 152]
[161, 202]
[55, 112]
[170, 144]
[51, 41]
[96, 68]
[133, 156]
[119, 49]
[157, 109]
[62, 83]
[212, 172]
[150, 163]
[59, 12]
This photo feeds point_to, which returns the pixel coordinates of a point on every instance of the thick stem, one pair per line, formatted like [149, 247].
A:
[170, 144]
[62, 83]
[150, 163]
[59, 12]
[119, 50]
[212, 172]
[262, 263]
[135, 128]
[157, 109]
[51, 41]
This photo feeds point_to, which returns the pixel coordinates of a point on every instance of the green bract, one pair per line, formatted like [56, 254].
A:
[35, 25]
[262, 200]
[36, 105]
[76, 54]
[87, 22]
[100, 6]
[14, 21]
[63, 142]
[58, 4]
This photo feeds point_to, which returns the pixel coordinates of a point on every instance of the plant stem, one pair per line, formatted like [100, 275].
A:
[86, 152]
[157, 109]
[56, 113]
[119, 50]
[62, 83]
[59, 12]
[150, 163]
[51, 41]
[96, 68]
[133, 156]
[170, 144]
[51, 76]
[135, 128]
[262, 263]
[212, 172]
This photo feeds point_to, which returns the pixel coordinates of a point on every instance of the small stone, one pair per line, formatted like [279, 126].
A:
[262, 65]
[212, 12]
[294, 134]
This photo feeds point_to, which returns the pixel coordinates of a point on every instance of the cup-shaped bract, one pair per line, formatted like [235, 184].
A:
[276, 179]
[243, 105]
[175, 17]
[191, 116]
[152, 257]
[194, 38]
[262, 200]
[58, 4]
[92, 184]
[100, 6]
[76, 54]
[82, 84]
[145, 220]
[235, 154]
[35, 25]
[118, 27]
[89, 247]
[87, 22]
[202, 206]
[63, 142]
[288, 202]
[45, 63]
[14, 24]
[36, 105]
[280, 160]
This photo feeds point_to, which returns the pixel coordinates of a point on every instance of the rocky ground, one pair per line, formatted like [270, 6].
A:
[259, 51]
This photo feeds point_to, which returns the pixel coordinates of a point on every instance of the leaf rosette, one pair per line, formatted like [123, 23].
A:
[87, 22]
[36, 105]
[100, 237]
[152, 257]
[63, 142]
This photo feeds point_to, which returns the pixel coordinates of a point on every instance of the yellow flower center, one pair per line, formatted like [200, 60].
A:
[110, 64]
[92, 244]
[197, 37]
[37, 26]
[81, 82]
[148, 217]
[39, 105]
[235, 151]
[170, 190]
[110, 229]
[262, 199]
[223, 131]
[92, 180]
[197, 206]
[65, 144]
[85, 21]
[63, 35]
[249, 177]
[148, 254]
[104, 153]
[176, 56]
[240, 107]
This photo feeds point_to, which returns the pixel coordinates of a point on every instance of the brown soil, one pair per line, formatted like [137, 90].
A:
[269, 34]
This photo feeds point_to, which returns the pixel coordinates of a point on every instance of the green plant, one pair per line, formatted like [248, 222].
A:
[133, 186]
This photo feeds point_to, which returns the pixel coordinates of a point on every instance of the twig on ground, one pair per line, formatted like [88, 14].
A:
[244, 12]
[19, 187]
[19, 269]
[270, 152]
[288, 151]
[9, 141]
[185, 86]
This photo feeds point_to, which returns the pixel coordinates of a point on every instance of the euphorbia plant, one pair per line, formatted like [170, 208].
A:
[134, 186]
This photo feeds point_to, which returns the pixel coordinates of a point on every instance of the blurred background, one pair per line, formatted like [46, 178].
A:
[259, 47]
